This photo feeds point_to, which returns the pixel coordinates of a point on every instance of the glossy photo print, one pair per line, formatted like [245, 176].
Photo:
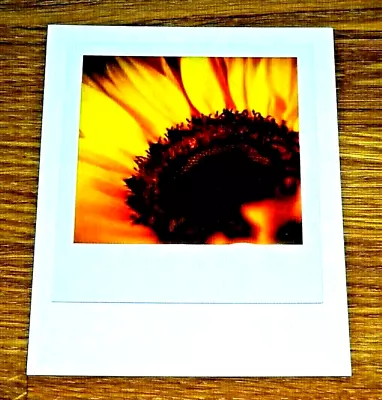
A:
[188, 150]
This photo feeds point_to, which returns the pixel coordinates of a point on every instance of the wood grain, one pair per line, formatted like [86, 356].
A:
[358, 39]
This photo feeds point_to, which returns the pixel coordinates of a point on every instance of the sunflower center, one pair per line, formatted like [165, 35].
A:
[194, 183]
[220, 180]
[213, 186]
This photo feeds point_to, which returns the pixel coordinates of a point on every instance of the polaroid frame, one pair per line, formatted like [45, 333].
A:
[183, 273]
[191, 333]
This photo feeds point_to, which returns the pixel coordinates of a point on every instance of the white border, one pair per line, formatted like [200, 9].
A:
[192, 340]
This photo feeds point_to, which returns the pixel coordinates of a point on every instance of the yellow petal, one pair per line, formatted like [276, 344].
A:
[155, 100]
[283, 76]
[201, 84]
[120, 90]
[159, 91]
[257, 86]
[168, 72]
[236, 81]
[123, 166]
[108, 130]
[110, 139]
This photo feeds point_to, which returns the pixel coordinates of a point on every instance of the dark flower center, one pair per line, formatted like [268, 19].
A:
[194, 181]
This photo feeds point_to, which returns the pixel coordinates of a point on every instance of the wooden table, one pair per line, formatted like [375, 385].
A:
[358, 35]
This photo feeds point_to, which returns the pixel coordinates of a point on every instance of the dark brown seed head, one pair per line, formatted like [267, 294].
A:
[193, 182]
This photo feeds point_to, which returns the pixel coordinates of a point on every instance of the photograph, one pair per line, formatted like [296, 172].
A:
[188, 150]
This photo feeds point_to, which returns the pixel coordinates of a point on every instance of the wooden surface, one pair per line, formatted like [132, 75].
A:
[358, 38]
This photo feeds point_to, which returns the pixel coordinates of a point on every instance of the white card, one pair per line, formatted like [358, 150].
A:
[189, 212]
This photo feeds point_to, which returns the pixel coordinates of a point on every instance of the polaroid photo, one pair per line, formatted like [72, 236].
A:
[189, 215]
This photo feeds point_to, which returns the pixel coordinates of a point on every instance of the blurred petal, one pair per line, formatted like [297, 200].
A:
[102, 215]
[266, 218]
[260, 217]
[201, 84]
[295, 125]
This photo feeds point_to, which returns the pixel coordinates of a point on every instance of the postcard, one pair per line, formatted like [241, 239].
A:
[189, 210]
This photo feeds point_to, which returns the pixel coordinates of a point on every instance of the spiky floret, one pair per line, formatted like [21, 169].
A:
[193, 182]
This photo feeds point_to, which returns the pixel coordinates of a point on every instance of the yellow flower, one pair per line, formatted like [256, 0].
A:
[133, 103]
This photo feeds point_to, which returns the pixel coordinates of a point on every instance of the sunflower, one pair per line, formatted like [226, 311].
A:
[188, 150]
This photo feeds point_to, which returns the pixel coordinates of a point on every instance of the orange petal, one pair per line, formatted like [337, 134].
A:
[283, 80]
[291, 113]
[270, 87]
